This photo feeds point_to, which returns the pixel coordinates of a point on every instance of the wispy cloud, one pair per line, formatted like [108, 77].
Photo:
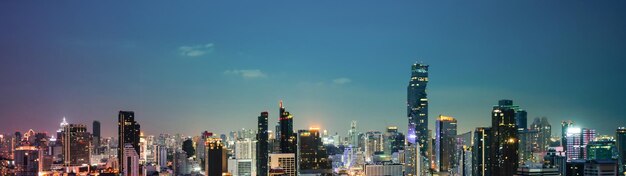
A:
[249, 74]
[196, 50]
[342, 80]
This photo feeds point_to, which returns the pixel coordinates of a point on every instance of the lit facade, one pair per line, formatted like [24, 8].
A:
[262, 146]
[417, 111]
[128, 133]
[504, 143]
[445, 143]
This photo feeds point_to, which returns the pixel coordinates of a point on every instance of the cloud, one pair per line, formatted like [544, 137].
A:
[196, 50]
[342, 80]
[249, 74]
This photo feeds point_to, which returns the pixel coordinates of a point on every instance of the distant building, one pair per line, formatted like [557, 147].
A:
[565, 125]
[128, 133]
[603, 149]
[620, 140]
[383, 169]
[285, 162]
[96, 137]
[481, 163]
[215, 157]
[27, 159]
[601, 167]
[262, 145]
[417, 113]
[312, 156]
[76, 143]
[394, 140]
[504, 143]
[445, 143]
[287, 138]
[373, 145]
[535, 171]
[130, 162]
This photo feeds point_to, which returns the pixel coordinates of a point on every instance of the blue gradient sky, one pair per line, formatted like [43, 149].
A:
[189, 66]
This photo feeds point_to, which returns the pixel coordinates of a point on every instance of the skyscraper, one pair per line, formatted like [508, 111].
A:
[215, 157]
[544, 132]
[96, 136]
[417, 111]
[373, 144]
[504, 144]
[27, 160]
[481, 163]
[76, 142]
[353, 134]
[394, 140]
[262, 149]
[312, 156]
[565, 125]
[130, 161]
[521, 120]
[287, 138]
[620, 140]
[128, 133]
[445, 143]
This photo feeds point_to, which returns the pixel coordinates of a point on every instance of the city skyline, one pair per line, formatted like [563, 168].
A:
[187, 76]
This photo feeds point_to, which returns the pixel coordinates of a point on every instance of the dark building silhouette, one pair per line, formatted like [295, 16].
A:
[128, 133]
[96, 136]
[521, 120]
[312, 156]
[394, 140]
[481, 164]
[215, 157]
[287, 138]
[504, 143]
[262, 149]
[445, 143]
[620, 141]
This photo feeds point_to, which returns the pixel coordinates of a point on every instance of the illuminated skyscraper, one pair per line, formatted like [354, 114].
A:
[287, 138]
[373, 144]
[312, 156]
[504, 143]
[445, 143]
[417, 112]
[262, 149]
[481, 163]
[128, 133]
[76, 142]
[27, 160]
[565, 125]
[394, 140]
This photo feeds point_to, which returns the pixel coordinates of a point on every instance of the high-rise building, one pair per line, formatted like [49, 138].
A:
[417, 112]
[521, 120]
[383, 169]
[215, 157]
[481, 163]
[373, 145]
[287, 138]
[504, 143]
[394, 140]
[286, 162]
[96, 136]
[588, 135]
[312, 156]
[544, 132]
[262, 150]
[76, 142]
[565, 125]
[445, 143]
[620, 140]
[602, 149]
[130, 161]
[353, 134]
[128, 133]
[574, 146]
[27, 160]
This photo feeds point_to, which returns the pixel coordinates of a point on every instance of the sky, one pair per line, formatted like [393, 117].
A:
[189, 66]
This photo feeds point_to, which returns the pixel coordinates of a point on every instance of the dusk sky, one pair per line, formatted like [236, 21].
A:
[189, 66]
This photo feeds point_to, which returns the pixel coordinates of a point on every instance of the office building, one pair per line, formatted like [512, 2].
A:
[394, 140]
[383, 169]
[521, 120]
[128, 133]
[311, 154]
[130, 162]
[417, 111]
[565, 125]
[285, 162]
[445, 143]
[481, 163]
[215, 157]
[620, 140]
[262, 145]
[96, 136]
[76, 142]
[504, 143]
[27, 160]
[287, 138]
[602, 149]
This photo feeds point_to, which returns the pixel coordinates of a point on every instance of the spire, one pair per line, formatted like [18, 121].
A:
[64, 122]
[281, 104]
